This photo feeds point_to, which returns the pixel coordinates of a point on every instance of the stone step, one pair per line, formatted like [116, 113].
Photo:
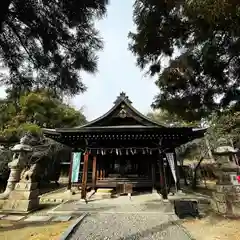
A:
[103, 195]
[104, 190]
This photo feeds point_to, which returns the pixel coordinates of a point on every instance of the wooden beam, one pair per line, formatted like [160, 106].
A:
[94, 172]
[84, 176]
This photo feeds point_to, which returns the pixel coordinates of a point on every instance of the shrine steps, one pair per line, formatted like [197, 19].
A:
[113, 182]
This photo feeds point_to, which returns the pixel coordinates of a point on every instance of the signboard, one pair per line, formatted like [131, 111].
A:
[235, 180]
[76, 160]
[170, 158]
[128, 188]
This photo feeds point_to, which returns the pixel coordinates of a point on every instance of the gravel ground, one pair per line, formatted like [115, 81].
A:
[132, 226]
[144, 218]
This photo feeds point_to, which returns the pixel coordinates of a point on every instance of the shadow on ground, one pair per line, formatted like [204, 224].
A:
[9, 225]
[163, 230]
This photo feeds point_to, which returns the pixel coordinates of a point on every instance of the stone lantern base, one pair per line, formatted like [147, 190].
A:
[226, 200]
[23, 199]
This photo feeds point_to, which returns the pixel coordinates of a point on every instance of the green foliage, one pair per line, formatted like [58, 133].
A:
[5, 158]
[55, 39]
[207, 36]
[36, 110]
[214, 11]
[170, 119]
[191, 150]
[225, 125]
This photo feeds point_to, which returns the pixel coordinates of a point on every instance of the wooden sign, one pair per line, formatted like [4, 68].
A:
[170, 158]
[234, 179]
[76, 160]
[124, 188]
[128, 188]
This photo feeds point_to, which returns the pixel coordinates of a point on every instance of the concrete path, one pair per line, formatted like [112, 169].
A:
[145, 217]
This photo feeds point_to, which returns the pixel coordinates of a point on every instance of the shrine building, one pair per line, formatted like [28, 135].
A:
[124, 146]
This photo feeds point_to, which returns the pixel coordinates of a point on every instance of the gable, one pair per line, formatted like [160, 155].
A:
[122, 114]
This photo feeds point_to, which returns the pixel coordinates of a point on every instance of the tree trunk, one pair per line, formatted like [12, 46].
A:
[208, 148]
[184, 175]
[194, 181]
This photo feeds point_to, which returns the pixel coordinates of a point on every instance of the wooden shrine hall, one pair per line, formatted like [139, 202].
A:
[124, 147]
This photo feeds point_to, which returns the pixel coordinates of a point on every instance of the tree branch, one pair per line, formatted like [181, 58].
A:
[22, 43]
[4, 12]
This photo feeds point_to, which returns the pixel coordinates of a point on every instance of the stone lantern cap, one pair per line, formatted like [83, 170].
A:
[225, 150]
[22, 148]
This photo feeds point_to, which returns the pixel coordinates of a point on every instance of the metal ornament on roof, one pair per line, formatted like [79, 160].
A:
[122, 113]
[122, 97]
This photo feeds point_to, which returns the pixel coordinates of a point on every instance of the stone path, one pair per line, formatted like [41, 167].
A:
[145, 217]
[35, 218]
[148, 203]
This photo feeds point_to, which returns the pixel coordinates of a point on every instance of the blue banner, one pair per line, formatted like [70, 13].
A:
[76, 160]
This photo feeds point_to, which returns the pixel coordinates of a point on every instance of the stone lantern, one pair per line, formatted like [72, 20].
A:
[226, 198]
[21, 153]
[24, 198]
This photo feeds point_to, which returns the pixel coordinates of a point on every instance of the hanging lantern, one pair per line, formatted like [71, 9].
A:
[98, 152]
[111, 152]
[127, 152]
[120, 152]
[150, 151]
[131, 151]
[135, 151]
[143, 151]
[102, 152]
[117, 151]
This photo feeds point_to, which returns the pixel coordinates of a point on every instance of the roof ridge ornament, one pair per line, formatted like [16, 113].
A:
[122, 97]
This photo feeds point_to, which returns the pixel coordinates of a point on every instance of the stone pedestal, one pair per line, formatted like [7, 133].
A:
[14, 177]
[226, 200]
[23, 199]
[20, 157]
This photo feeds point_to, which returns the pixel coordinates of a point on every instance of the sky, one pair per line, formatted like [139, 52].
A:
[117, 67]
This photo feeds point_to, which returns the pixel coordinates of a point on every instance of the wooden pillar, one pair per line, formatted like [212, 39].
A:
[98, 172]
[163, 182]
[84, 176]
[94, 172]
[153, 175]
[70, 173]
